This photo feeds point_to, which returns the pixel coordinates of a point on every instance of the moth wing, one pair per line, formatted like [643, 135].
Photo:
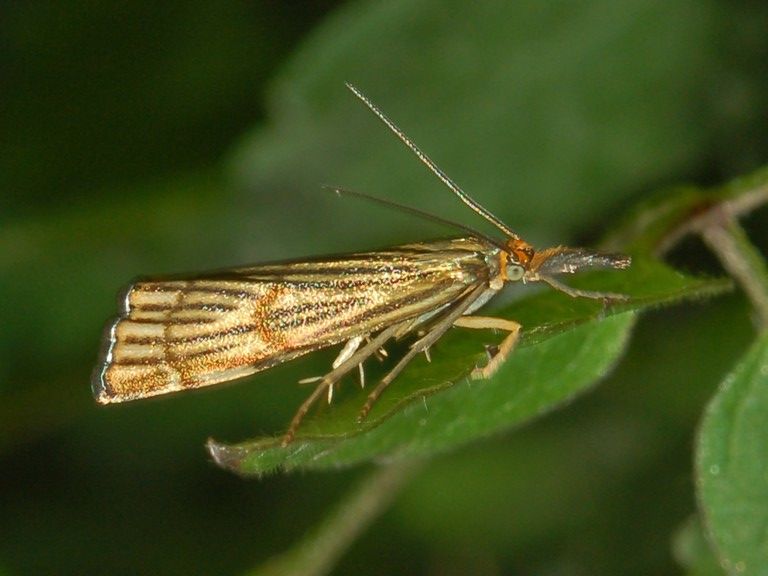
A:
[174, 335]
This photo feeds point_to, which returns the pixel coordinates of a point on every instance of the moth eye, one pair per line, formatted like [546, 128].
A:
[514, 272]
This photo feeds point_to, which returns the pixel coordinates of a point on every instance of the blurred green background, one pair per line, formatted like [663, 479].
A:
[146, 138]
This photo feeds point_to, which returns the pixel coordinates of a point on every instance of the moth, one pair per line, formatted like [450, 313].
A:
[184, 333]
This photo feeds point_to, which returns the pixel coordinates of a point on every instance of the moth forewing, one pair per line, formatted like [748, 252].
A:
[180, 334]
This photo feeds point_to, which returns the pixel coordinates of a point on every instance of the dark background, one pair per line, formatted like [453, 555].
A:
[169, 136]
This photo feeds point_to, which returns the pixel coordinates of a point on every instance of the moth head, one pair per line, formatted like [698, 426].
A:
[516, 260]
[522, 262]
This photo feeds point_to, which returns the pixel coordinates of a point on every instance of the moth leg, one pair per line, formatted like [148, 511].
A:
[503, 350]
[327, 381]
[422, 344]
[576, 293]
[380, 354]
[346, 353]
[349, 348]
[418, 347]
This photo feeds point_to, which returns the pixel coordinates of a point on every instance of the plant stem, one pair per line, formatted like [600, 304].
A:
[727, 239]
[733, 207]
[317, 554]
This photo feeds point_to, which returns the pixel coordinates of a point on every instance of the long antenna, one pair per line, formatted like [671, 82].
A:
[416, 212]
[427, 161]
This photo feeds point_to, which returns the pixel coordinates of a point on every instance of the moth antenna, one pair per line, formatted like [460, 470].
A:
[427, 161]
[416, 212]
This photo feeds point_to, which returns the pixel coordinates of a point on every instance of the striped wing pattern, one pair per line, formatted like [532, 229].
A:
[179, 334]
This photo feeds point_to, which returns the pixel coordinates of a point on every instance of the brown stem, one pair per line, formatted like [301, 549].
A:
[317, 554]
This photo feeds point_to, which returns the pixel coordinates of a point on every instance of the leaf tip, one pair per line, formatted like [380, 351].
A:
[226, 456]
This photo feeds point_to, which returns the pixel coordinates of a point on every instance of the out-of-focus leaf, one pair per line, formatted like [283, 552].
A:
[659, 220]
[732, 465]
[65, 272]
[693, 552]
[567, 345]
[534, 111]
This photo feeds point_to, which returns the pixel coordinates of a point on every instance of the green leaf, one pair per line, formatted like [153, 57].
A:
[732, 465]
[567, 345]
[692, 551]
